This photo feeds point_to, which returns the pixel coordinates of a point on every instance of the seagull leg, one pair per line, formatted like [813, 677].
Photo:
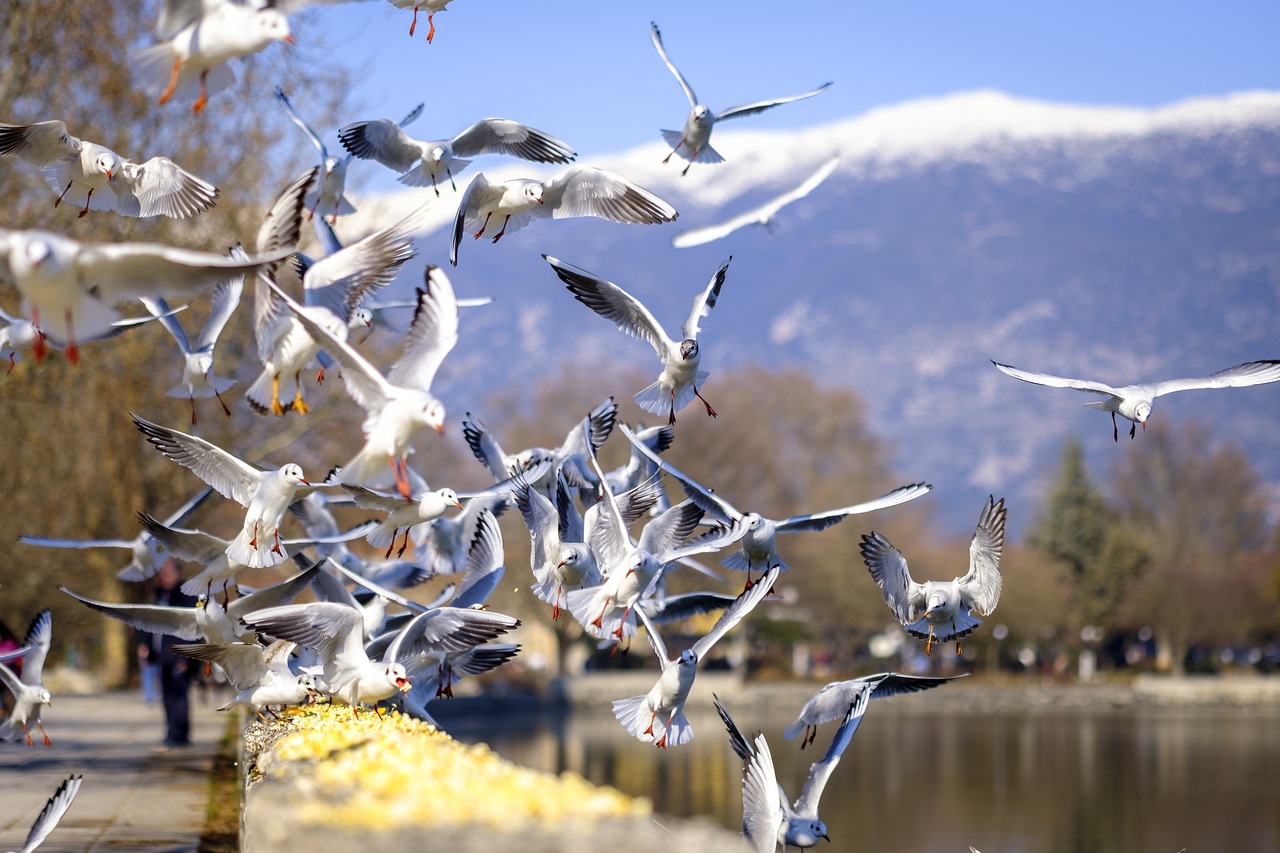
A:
[663, 742]
[433, 184]
[37, 346]
[503, 230]
[57, 201]
[401, 469]
[413, 25]
[28, 734]
[225, 410]
[173, 84]
[685, 170]
[13, 362]
[671, 418]
[1115, 430]
[652, 717]
[599, 620]
[275, 549]
[73, 352]
[432, 33]
[394, 534]
[483, 226]
[618, 632]
[276, 408]
[299, 405]
[710, 411]
[928, 646]
[192, 401]
[555, 607]
[253, 543]
[666, 159]
[404, 544]
[320, 376]
[204, 93]
[1134, 429]
[83, 213]
[449, 172]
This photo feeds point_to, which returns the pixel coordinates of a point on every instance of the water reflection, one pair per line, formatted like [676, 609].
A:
[925, 782]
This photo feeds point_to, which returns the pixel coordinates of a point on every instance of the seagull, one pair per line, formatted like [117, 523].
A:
[432, 6]
[767, 820]
[759, 542]
[425, 162]
[155, 187]
[29, 692]
[558, 552]
[68, 287]
[260, 676]
[834, 699]
[328, 194]
[333, 288]
[577, 191]
[207, 621]
[402, 513]
[678, 383]
[942, 610]
[264, 493]
[145, 551]
[763, 215]
[334, 632]
[199, 38]
[52, 812]
[693, 143]
[198, 378]
[399, 404]
[1134, 402]
[639, 714]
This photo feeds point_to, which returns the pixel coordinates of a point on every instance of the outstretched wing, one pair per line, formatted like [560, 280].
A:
[614, 304]
[704, 302]
[432, 335]
[1249, 373]
[736, 612]
[500, 136]
[656, 37]
[761, 106]
[822, 520]
[980, 587]
[820, 771]
[889, 569]
[1057, 381]
[52, 812]
[232, 477]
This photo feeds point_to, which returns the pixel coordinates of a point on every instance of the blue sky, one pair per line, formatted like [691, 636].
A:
[585, 71]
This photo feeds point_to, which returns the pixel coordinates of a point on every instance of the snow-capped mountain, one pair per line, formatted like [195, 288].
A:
[1108, 243]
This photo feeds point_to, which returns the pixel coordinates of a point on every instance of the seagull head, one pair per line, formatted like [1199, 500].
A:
[449, 497]
[700, 112]
[37, 251]
[361, 318]
[273, 26]
[688, 349]
[533, 190]
[1141, 412]
[437, 153]
[204, 363]
[433, 414]
[688, 658]
[107, 164]
[397, 676]
[292, 474]
[45, 697]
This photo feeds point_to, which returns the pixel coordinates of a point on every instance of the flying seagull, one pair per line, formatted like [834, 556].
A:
[1134, 402]
[693, 143]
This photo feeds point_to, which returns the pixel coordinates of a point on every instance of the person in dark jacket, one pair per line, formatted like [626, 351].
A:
[175, 670]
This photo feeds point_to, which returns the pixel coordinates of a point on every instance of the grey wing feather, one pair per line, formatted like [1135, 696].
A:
[52, 812]
[742, 605]
[1057, 381]
[656, 37]
[822, 520]
[38, 144]
[588, 191]
[500, 136]
[274, 595]
[614, 304]
[39, 637]
[980, 586]
[705, 301]
[761, 106]
[383, 141]
[242, 662]
[889, 569]
[432, 334]
[232, 477]
[485, 562]
[297, 119]
[763, 810]
[178, 622]
[713, 505]
[820, 771]
[1249, 373]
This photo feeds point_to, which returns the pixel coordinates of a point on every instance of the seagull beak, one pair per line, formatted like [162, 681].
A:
[303, 481]
[109, 175]
[403, 685]
[828, 837]
[926, 614]
[440, 429]
[289, 39]
[458, 505]
[540, 200]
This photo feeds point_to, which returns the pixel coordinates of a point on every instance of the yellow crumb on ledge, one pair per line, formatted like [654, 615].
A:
[396, 772]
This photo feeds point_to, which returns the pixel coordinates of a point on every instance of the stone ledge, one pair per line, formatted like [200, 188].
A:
[373, 784]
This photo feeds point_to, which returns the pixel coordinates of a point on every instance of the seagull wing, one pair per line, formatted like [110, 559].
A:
[711, 503]
[178, 622]
[297, 119]
[159, 187]
[1242, 375]
[195, 546]
[763, 810]
[499, 136]
[232, 477]
[655, 639]
[614, 304]
[889, 569]
[761, 106]
[341, 281]
[223, 303]
[52, 812]
[742, 605]
[38, 144]
[807, 804]
[39, 638]
[381, 140]
[980, 587]
[704, 302]
[822, 520]
[588, 191]
[485, 562]
[432, 334]
[242, 662]
[128, 270]
[656, 37]
[1058, 381]
[478, 194]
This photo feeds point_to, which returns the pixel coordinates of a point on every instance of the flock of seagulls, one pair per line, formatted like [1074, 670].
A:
[361, 641]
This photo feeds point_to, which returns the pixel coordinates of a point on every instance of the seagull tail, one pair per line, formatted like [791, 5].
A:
[259, 393]
[679, 732]
[653, 400]
[634, 715]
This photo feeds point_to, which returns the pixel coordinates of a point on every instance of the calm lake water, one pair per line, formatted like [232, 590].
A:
[1107, 782]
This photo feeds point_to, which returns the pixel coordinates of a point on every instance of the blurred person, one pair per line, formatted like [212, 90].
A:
[174, 670]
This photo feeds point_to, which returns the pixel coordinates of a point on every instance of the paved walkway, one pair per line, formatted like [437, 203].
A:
[136, 795]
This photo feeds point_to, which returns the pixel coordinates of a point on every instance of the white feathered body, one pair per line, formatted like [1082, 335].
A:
[262, 519]
[646, 717]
